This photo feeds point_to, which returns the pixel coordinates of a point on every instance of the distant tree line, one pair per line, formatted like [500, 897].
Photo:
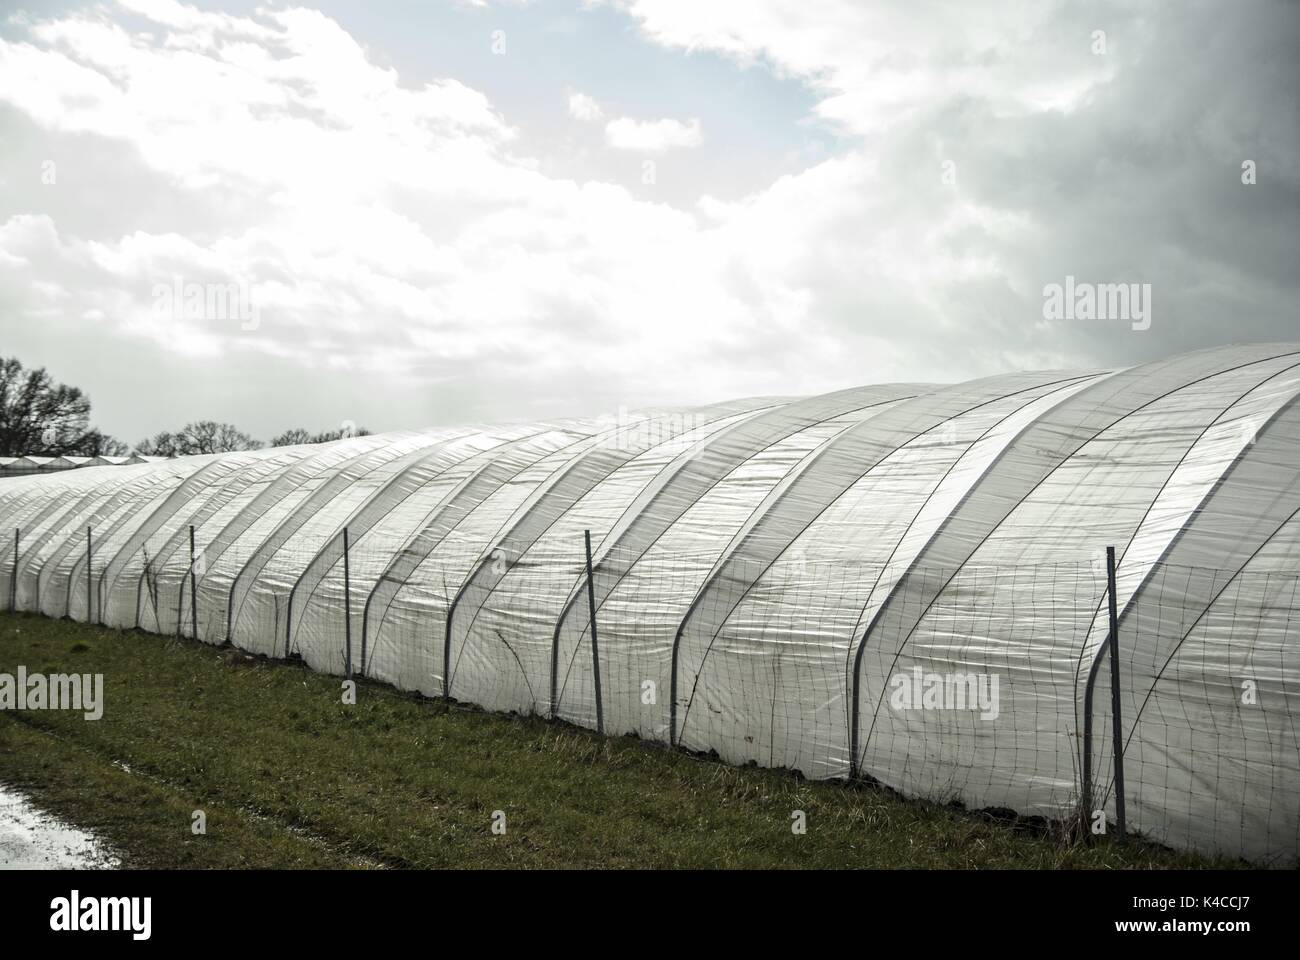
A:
[208, 436]
[39, 417]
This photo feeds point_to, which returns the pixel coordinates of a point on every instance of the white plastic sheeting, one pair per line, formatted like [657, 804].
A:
[774, 578]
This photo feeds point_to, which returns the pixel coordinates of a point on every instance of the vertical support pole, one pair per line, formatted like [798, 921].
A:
[13, 580]
[595, 645]
[194, 604]
[1117, 728]
[446, 652]
[288, 622]
[89, 594]
[1085, 798]
[365, 628]
[672, 691]
[347, 608]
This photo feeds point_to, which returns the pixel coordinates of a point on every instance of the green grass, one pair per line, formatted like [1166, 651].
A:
[290, 777]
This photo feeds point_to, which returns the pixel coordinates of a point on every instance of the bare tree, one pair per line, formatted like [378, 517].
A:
[96, 444]
[328, 435]
[299, 435]
[208, 436]
[41, 417]
[291, 438]
[164, 444]
[202, 436]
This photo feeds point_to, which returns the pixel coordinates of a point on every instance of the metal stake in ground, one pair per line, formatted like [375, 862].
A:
[1085, 797]
[595, 645]
[1117, 727]
[13, 580]
[347, 608]
[89, 612]
[194, 604]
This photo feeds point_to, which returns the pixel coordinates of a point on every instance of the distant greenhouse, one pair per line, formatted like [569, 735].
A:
[903, 582]
[23, 466]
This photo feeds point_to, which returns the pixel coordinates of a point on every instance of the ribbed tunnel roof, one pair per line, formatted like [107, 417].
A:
[765, 571]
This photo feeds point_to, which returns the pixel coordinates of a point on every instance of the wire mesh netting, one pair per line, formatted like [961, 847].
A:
[902, 582]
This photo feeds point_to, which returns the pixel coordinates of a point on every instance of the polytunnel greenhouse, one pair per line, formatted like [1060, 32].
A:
[903, 582]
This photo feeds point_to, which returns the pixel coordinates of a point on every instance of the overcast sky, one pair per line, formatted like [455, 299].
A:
[451, 212]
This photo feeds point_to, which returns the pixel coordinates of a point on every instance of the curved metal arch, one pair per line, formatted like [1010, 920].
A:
[838, 464]
[1137, 528]
[1067, 390]
[59, 533]
[473, 491]
[37, 500]
[1095, 410]
[434, 462]
[106, 505]
[91, 496]
[20, 490]
[291, 478]
[45, 505]
[234, 485]
[344, 476]
[559, 493]
[40, 504]
[124, 501]
[18, 503]
[1249, 536]
[223, 466]
[689, 477]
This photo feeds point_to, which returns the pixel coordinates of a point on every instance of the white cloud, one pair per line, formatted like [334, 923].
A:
[390, 226]
[652, 136]
[403, 230]
[1122, 165]
[583, 107]
[879, 63]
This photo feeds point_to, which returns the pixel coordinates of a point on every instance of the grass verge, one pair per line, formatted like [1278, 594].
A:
[288, 776]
